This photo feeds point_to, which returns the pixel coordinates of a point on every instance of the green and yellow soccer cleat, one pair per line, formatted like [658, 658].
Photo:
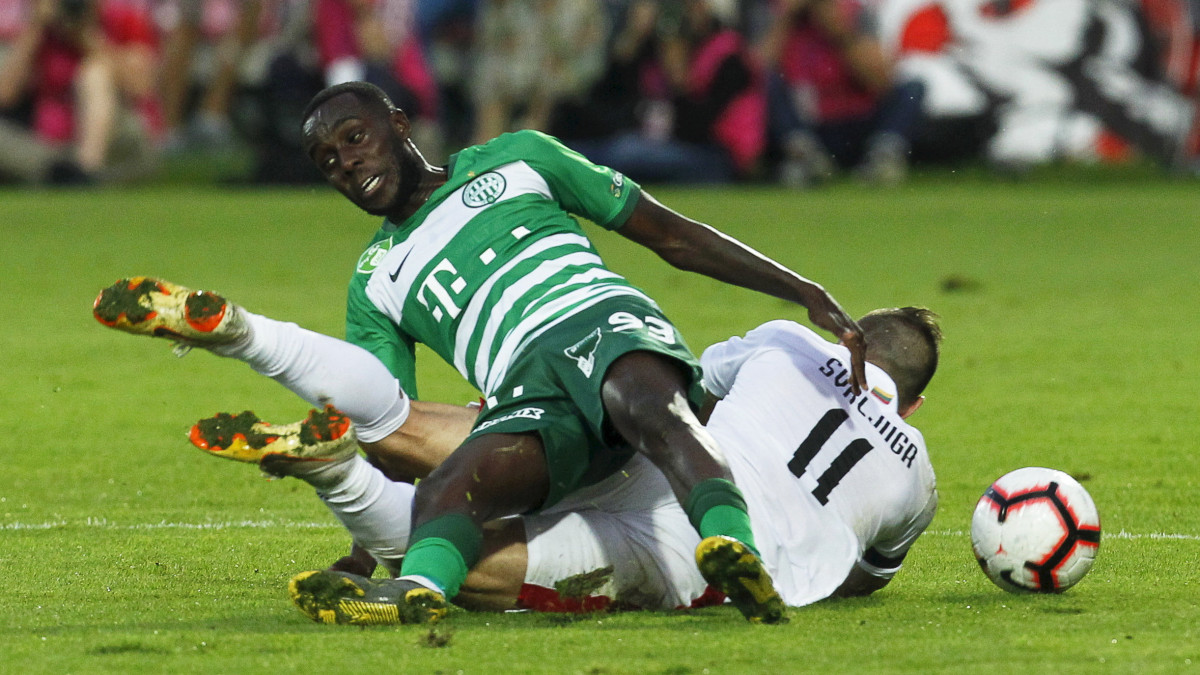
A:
[324, 436]
[157, 308]
[732, 568]
[343, 598]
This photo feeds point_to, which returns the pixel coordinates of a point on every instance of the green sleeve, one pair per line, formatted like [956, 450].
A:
[368, 328]
[598, 193]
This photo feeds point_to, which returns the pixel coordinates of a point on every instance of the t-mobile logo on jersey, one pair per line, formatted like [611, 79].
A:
[441, 294]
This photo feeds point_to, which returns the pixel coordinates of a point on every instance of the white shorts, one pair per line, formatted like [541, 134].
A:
[624, 542]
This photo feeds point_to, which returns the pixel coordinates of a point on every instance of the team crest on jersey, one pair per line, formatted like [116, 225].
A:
[584, 352]
[484, 190]
[370, 259]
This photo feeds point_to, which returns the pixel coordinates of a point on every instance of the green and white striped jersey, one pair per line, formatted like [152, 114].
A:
[493, 260]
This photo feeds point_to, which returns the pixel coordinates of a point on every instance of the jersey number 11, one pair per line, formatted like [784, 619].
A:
[846, 459]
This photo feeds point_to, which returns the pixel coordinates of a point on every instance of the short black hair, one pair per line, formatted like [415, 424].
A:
[906, 342]
[367, 93]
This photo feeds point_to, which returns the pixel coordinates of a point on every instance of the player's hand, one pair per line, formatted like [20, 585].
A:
[826, 313]
[358, 562]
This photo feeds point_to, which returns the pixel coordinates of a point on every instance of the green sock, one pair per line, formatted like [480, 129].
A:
[443, 550]
[716, 507]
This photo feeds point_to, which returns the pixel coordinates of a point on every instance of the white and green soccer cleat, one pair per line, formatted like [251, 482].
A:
[731, 567]
[324, 436]
[342, 598]
[158, 308]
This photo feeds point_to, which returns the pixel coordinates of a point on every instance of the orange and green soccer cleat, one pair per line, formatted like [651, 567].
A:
[324, 436]
[157, 308]
[344, 598]
[732, 568]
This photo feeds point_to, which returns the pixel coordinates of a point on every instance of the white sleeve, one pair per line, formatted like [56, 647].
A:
[722, 361]
[883, 558]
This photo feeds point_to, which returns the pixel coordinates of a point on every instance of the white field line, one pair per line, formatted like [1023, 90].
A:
[105, 524]
[1121, 534]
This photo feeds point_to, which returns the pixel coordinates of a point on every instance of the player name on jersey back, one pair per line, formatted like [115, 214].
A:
[893, 438]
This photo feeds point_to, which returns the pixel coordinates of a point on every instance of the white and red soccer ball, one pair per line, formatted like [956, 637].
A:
[1035, 530]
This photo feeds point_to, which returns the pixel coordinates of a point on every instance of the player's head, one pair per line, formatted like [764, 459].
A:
[360, 142]
[371, 98]
[905, 342]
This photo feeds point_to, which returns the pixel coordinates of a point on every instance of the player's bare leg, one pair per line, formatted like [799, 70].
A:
[431, 432]
[644, 400]
[488, 477]
[494, 583]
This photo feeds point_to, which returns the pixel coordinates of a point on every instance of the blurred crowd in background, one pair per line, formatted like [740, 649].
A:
[686, 91]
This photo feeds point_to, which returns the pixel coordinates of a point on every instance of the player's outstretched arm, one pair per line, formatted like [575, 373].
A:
[693, 246]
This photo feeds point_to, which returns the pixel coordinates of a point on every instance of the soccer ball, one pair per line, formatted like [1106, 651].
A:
[1035, 530]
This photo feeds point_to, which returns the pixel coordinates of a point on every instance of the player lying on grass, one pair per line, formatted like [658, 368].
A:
[838, 485]
[483, 261]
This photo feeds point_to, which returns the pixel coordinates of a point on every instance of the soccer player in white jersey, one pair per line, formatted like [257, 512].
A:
[853, 479]
[483, 261]
[838, 478]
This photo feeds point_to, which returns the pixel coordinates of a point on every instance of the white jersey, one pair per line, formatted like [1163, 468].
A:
[831, 479]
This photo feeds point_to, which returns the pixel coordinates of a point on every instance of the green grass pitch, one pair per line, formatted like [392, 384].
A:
[1071, 320]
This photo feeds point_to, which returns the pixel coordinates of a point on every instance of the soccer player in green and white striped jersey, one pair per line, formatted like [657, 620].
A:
[483, 261]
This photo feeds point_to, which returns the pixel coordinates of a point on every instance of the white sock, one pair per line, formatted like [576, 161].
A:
[423, 581]
[376, 511]
[322, 369]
